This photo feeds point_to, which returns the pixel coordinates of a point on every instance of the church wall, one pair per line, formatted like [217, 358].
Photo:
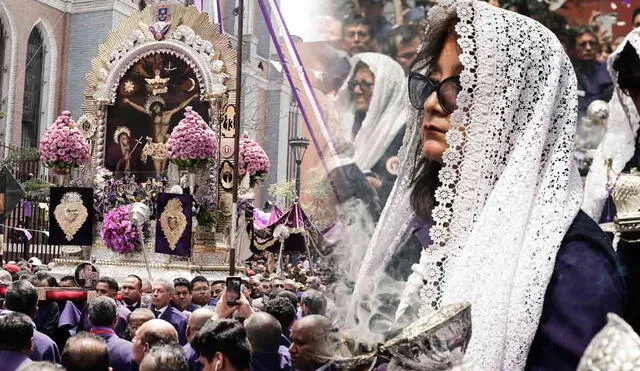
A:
[83, 46]
[25, 15]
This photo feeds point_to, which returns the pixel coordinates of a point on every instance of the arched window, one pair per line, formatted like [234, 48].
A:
[32, 105]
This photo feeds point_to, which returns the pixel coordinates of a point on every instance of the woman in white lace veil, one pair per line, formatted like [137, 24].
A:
[367, 140]
[385, 116]
[508, 189]
[619, 142]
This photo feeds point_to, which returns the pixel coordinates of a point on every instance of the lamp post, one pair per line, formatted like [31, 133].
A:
[299, 147]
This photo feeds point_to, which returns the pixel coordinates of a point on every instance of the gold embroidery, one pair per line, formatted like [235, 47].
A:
[173, 222]
[71, 214]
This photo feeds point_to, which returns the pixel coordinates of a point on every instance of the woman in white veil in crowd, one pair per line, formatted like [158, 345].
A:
[495, 116]
[368, 123]
[371, 107]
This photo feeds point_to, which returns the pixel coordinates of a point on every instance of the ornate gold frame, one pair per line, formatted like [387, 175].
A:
[192, 37]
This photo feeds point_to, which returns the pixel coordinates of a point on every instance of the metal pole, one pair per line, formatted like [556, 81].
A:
[298, 163]
[234, 206]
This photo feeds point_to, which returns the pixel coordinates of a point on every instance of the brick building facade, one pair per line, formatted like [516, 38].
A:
[46, 47]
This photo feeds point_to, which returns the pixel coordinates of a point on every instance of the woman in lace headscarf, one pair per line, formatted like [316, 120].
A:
[495, 117]
[620, 145]
[369, 122]
[371, 106]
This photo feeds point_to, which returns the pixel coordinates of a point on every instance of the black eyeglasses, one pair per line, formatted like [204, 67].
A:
[420, 88]
[353, 34]
[364, 85]
[591, 43]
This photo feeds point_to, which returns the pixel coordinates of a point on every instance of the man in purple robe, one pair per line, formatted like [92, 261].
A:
[102, 313]
[283, 310]
[222, 344]
[107, 286]
[197, 319]
[161, 295]
[16, 331]
[201, 292]
[182, 296]
[150, 334]
[263, 332]
[22, 297]
[313, 340]
[86, 351]
[48, 313]
[132, 292]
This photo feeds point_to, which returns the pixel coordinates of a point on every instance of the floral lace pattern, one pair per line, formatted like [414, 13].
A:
[509, 189]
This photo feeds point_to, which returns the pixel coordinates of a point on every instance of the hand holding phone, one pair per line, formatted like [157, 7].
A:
[233, 290]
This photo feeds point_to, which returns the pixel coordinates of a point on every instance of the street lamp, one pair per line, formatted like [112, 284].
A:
[299, 147]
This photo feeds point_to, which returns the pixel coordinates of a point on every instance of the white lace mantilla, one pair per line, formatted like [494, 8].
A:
[509, 188]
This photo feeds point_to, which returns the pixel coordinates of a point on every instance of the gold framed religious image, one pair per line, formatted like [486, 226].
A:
[150, 101]
[71, 216]
[173, 224]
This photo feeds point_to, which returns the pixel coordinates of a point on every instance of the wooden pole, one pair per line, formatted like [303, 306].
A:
[397, 10]
[234, 206]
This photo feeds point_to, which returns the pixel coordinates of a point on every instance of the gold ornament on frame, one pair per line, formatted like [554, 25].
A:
[71, 214]
[173, 222]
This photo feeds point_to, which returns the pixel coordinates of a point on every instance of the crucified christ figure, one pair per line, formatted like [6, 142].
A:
[161, 118]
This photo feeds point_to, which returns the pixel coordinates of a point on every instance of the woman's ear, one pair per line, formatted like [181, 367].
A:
[219, 361]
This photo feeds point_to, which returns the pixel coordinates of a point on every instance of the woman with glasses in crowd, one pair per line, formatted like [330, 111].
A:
[488, 189]
[368, 126]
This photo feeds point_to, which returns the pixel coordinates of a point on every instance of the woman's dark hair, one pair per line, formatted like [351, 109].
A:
[425, 182]
[625, 64]
[424, 176]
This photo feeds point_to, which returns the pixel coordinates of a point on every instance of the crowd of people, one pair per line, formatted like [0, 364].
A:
[181, 324]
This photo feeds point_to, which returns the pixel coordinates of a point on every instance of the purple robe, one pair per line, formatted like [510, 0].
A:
[262, 361]
[47, 317]
[44, 349]
[12, 361]
[70, 316]
[193, 359]
[192, 307]
[178, 320]
[285, 341]
[133, 306]
[594, 82]
[121, 326]
[120, 350]
[586, 284]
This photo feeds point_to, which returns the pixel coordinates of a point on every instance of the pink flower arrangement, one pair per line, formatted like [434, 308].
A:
[192, 143]
[64, 145]
[118, 232]
[252, 158]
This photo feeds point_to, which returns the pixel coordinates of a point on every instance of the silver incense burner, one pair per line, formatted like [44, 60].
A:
[435, 342]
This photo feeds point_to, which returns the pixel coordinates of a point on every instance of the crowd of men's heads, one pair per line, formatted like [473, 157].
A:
[275, 317]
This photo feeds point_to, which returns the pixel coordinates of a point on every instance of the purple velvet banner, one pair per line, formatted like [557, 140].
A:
[169, 226]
